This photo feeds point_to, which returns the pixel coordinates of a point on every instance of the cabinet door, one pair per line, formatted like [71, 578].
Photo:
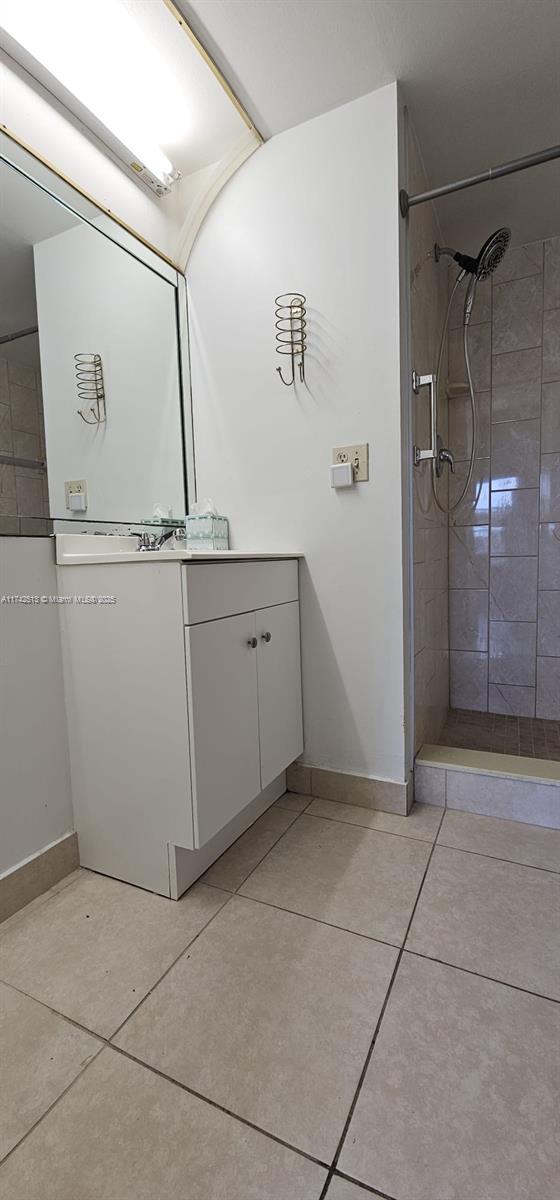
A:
[223, 721]
[279, 665]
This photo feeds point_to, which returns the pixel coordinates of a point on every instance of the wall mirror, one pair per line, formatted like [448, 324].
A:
[91, 373]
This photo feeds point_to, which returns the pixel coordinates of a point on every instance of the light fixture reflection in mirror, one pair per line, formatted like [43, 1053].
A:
[101, 56]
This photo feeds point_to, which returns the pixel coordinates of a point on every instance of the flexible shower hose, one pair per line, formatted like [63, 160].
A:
[451, 508]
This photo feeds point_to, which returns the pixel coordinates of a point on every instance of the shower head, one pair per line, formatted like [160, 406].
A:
[488, 259]
[492, 253]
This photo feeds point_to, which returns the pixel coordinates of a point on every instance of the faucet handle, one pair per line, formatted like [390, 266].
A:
[445, 456]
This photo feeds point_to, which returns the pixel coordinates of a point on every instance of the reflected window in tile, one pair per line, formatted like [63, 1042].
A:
[515, 455]
[514, 522]
[550, 487]
[512, 652]
[513, 589]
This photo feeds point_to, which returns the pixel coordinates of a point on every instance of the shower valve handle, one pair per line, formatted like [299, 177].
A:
[446, 456]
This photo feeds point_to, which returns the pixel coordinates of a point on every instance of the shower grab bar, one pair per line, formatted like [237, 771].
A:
[418, 382]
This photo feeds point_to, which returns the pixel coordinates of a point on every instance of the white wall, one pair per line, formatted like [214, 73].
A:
[315, 210]
[35, 803]
[94, 297]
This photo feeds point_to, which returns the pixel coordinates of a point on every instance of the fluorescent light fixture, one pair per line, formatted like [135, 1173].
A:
[93, 55]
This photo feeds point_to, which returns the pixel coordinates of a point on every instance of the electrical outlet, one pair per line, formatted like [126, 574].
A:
[358, 456]
[75, 491]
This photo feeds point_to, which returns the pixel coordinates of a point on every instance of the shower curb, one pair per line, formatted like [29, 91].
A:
[494, 785]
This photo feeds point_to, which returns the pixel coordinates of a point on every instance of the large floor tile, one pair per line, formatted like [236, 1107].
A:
[236, 864]
[98, 946]
[460, 1099]
[496, 918]
[122, 1133]
[422, 822]
[270, 1015]
[511, 840]
[356, 878]
[40, 1055]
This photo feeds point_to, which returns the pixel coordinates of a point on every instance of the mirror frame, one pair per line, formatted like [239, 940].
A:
[42, 174]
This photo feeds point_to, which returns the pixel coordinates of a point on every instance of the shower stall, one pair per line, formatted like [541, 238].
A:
[485, 397]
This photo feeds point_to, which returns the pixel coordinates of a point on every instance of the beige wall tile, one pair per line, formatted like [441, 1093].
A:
[355, 789]
[24, 884]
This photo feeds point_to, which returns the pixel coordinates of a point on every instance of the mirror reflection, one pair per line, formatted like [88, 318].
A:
[90, 393]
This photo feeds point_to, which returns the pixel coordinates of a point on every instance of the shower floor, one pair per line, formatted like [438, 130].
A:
[531, 737]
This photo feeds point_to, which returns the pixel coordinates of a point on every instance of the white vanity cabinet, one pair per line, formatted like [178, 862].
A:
[244, 684]
[184, 706]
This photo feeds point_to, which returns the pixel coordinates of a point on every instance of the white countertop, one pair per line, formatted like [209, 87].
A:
[81, 549]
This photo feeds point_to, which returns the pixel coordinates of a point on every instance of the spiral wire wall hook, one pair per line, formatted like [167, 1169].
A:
[91, 388]
[291, 335]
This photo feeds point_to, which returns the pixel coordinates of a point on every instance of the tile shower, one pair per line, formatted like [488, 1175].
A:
[504, 540]
[24, 505]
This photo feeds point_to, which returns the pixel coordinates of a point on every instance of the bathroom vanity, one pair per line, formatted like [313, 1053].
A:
[183, 691]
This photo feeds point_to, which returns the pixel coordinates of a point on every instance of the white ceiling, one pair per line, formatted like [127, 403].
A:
[481, 79]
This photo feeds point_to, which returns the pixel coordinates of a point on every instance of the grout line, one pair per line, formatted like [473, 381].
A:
[369, 1054]
[106, 1044]
[220, 1107]
[537, 346]
[40, 1119]
[364, 1186]
[373, 828]
[234, 892]
[317, 920]
[516, 987]
[173, 964]
[514, 862]
[55, 1011]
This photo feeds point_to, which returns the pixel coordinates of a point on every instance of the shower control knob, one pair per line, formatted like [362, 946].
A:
[444, 456]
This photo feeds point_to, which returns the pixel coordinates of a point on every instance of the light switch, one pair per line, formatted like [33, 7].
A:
[357, 456]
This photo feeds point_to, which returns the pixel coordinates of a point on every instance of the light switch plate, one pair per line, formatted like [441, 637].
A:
[358, 456]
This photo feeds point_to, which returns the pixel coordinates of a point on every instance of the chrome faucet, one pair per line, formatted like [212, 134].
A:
[150, 541]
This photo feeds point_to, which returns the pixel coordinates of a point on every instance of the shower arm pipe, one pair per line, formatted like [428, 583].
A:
[407, 202]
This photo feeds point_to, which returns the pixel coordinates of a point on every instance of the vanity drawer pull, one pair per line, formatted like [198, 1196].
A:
[267, 637]
[252, 643]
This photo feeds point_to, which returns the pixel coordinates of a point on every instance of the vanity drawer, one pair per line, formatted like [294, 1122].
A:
[214, 590]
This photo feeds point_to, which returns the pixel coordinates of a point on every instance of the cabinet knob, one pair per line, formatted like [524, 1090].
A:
[267, 637]
[252, 643]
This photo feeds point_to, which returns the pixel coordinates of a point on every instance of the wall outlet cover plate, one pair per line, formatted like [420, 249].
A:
[358, 456]
[76, 495]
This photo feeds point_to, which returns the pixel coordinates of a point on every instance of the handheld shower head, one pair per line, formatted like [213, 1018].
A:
[489, 257]
[492, 253]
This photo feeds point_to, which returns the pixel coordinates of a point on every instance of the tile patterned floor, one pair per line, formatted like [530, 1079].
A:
[348, 1004]
[530, 737]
